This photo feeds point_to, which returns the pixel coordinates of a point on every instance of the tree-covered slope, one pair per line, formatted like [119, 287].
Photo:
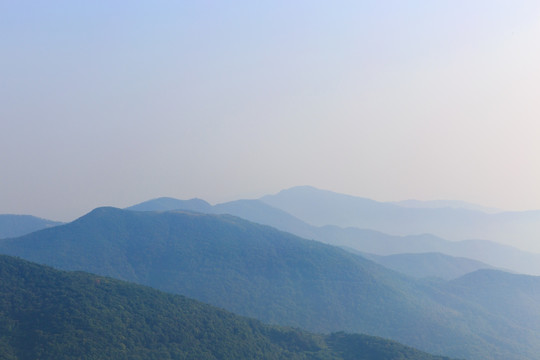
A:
[518, 295]
[257, 271]
[18, 225]
[248, 268]
[50, 314]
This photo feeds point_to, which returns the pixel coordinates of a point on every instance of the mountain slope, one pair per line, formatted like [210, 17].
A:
[261, 272]
[18, 225]
[427, 265]
[50, 314]
[259, 212]
[518, 295]
[252, 210]
[367, 241]
[248, 268]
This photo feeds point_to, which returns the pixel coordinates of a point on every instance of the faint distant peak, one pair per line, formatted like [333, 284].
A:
[308, 190]
[301, 188]
[168, 203]
[439, 204]
[311, 191]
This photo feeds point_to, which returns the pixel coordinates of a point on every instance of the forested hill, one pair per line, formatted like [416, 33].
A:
[50, 314]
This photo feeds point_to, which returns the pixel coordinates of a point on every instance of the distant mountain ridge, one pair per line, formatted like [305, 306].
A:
[18, 225]
[279, 278]
[363, 240]
[322, 207]
[489, 252]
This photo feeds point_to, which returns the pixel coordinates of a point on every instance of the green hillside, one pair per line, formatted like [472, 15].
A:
[50, 314]
[257, 271]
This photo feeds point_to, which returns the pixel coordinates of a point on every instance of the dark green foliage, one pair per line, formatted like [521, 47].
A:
[278, 278]
[49, 314]
[57, 315]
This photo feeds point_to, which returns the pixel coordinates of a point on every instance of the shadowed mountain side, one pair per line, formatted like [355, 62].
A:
[518, 295]
[56, 315]
[18, 225]
[368, 241]
[428, 265]
[276, 277]
[321, 207]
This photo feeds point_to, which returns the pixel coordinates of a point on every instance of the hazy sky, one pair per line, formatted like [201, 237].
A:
[116, 102]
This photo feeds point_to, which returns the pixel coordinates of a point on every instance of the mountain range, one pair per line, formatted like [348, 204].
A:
[320, 207]
[258, 271]
[363, 240]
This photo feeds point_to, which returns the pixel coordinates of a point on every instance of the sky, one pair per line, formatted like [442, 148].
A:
[110, 103]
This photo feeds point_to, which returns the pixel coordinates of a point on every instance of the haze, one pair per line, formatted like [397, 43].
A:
[113, 103]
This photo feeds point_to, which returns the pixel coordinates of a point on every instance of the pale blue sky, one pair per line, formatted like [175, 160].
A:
[116, 102]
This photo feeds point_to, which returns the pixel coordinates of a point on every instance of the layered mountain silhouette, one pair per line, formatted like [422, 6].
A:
[321, 207]
[364, 240]
[17, 225]
[276, 277]
[484, 251]
[428, 265]
[50, 314]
